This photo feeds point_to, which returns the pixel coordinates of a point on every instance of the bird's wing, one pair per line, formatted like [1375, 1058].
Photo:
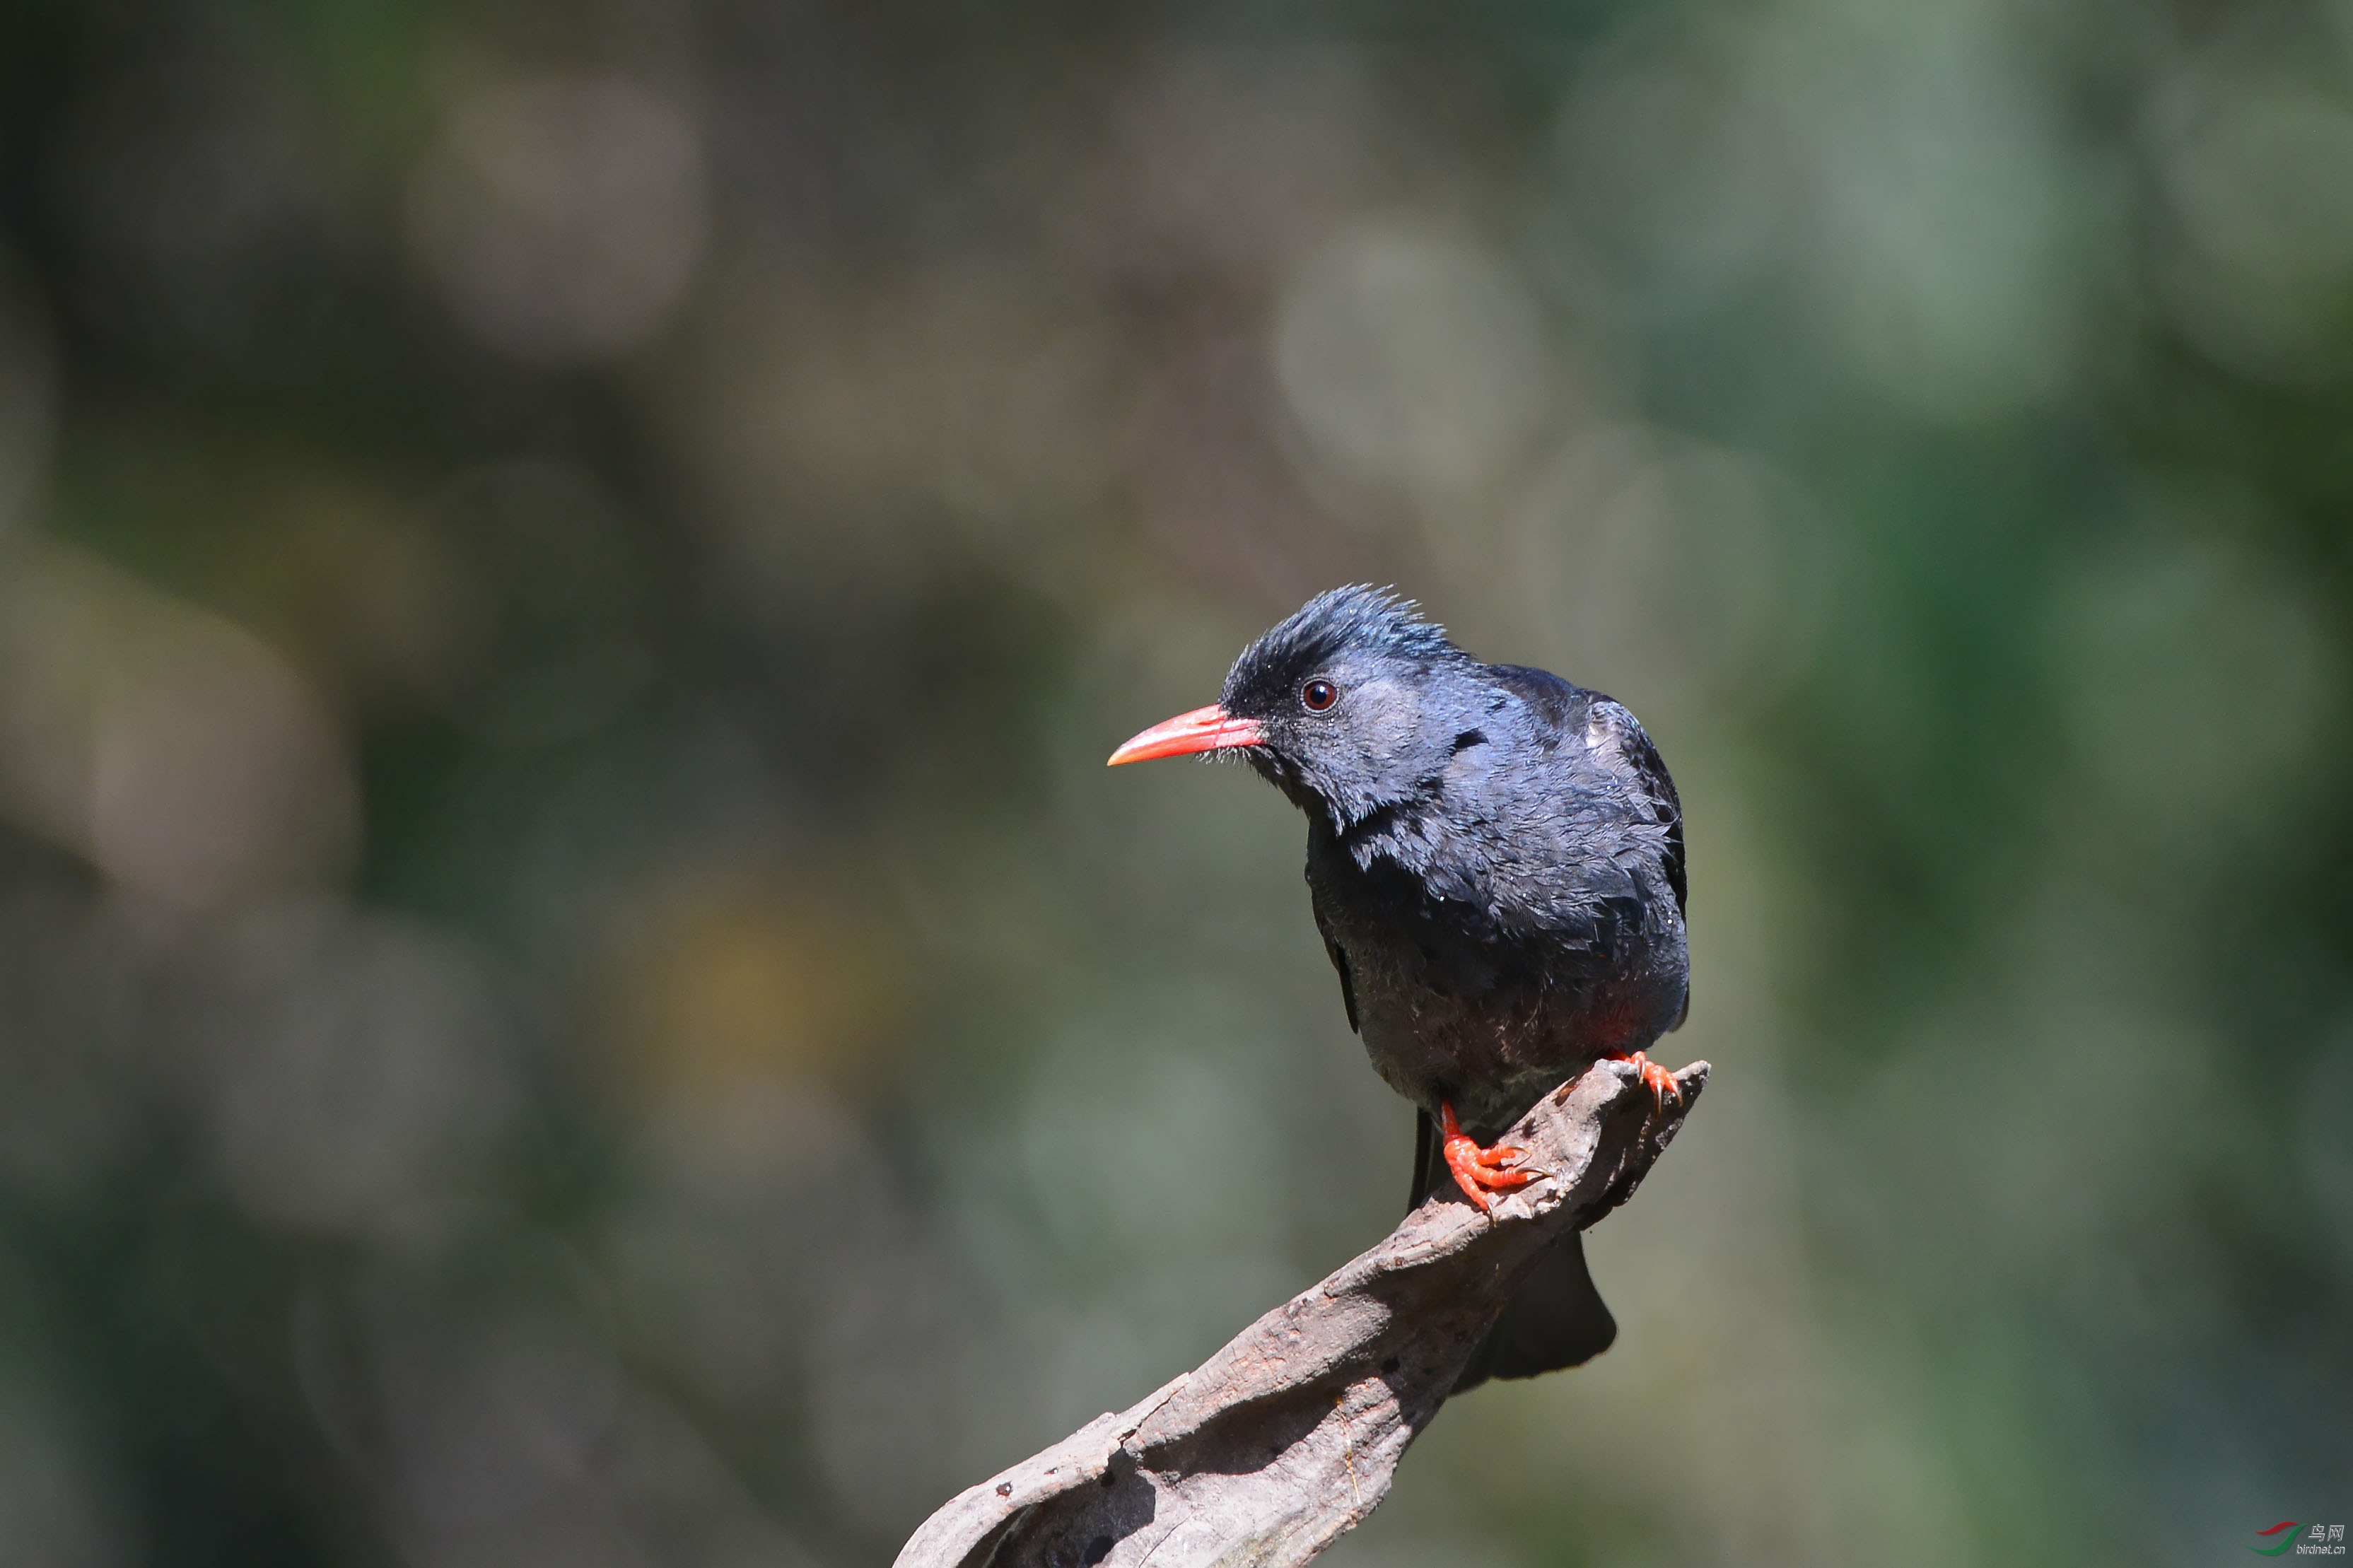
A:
[1620, 732]
[1428, 1162]
[1569, 710]
[1348, 988]
[1559, 703]
[1331, 948]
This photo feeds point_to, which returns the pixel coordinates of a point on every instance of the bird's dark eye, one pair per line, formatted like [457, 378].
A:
[1319, 695]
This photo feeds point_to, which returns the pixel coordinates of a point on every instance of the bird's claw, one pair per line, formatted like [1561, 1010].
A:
[1478, 1181]
[1481, 1173]
[1659, 1081]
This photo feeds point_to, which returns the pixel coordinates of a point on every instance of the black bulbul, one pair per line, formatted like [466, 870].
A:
[1496, 862]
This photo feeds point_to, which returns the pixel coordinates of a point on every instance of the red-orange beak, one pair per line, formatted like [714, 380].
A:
[1209, 729]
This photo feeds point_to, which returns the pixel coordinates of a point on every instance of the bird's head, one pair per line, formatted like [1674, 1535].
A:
[1350, 705]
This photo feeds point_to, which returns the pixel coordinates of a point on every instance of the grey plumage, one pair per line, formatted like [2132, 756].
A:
[1495, 854]
[1496, 862]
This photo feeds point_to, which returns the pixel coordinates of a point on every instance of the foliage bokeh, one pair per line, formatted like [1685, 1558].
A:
[575, 990]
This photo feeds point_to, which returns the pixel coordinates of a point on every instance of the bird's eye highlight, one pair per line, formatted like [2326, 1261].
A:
[1318, 695]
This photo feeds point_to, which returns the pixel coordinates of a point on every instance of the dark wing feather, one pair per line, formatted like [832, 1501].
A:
[1425, 1158]
[1567, 708]
[1560, 703]
[1632, 743]
[1333, 951]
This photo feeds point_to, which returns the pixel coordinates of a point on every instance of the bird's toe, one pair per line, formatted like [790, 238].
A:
[1482, 1172]
[1660, 1082]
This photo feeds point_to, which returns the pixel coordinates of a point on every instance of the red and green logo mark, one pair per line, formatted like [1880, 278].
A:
[2320, 1540]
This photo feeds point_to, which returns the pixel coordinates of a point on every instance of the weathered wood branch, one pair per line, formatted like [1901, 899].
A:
[1270, 1449]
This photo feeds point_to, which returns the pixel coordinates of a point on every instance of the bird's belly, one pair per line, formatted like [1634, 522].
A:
[1452, 1007]
[1492, 1055]
[1490, 1074]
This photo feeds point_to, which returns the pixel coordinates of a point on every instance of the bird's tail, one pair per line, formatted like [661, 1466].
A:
[1556, 1319]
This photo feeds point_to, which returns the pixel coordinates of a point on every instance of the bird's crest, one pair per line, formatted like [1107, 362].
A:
[1358, 615]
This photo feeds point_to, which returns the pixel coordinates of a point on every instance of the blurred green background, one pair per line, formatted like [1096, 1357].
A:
[574, 990]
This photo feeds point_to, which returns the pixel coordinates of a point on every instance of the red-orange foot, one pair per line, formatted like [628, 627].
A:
[1656, 1078]
[1482, 1171]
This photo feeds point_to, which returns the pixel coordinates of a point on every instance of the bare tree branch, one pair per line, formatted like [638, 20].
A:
[1269, 1450]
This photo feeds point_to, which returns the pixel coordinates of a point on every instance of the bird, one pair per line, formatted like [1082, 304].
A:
[1496, 863]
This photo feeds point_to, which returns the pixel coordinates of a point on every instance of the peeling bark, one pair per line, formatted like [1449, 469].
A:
[1270, 1449]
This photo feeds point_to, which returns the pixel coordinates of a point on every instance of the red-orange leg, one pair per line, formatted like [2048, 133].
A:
[1480, 1172]
[1656, 1078]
